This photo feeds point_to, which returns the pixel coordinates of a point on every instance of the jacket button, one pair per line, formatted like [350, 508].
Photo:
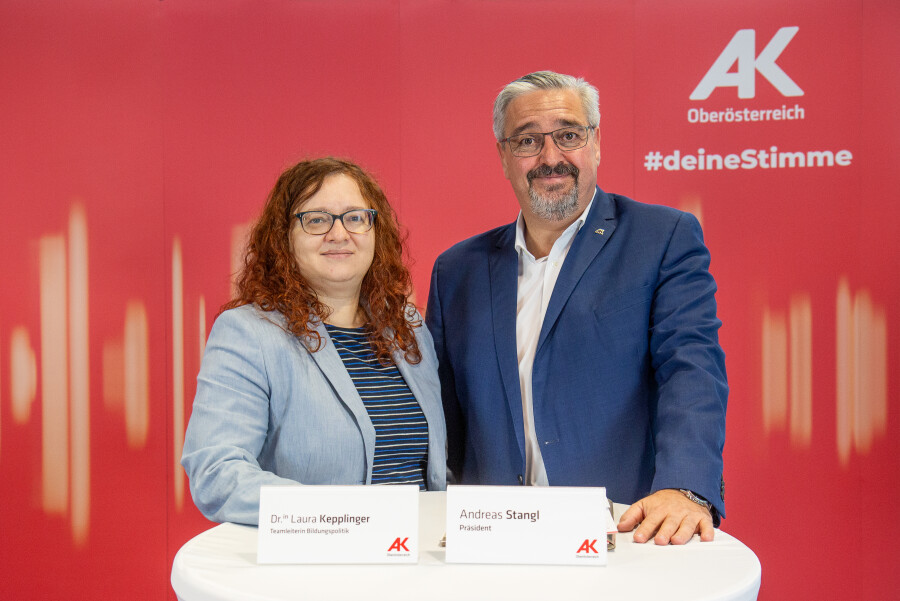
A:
[521, 479]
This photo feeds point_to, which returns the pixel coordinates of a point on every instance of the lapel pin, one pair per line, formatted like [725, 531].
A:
[599, 231]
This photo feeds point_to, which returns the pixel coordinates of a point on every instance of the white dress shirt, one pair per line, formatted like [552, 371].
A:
[537, 277]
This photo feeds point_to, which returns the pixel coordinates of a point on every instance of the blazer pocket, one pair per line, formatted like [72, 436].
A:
[623, 300]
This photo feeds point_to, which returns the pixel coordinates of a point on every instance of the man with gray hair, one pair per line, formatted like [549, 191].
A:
[578, 345]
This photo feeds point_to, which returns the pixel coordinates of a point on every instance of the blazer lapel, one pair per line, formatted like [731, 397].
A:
[428, 400]
[589, 241]
[504, 282]
[332, 367]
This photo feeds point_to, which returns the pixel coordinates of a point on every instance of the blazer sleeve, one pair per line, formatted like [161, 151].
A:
[229, 423]
[455, 424]
[689, 366]
[423, 380]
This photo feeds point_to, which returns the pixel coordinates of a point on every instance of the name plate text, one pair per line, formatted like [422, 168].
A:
[338, 524]
[527, 525]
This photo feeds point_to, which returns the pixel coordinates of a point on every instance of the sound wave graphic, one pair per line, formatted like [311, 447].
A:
[861, 371]
[861, 390]
[61, 373]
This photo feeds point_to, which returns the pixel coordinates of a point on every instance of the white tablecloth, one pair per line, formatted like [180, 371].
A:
[220, 564]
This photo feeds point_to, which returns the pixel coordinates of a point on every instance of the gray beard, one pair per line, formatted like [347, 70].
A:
[554, 209]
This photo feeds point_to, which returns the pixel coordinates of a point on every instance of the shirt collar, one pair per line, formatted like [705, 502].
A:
[574, 227]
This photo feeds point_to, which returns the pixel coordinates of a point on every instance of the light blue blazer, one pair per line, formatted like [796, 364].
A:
[269, 411]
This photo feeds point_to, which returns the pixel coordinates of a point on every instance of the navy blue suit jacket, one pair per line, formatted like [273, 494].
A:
[629, 379]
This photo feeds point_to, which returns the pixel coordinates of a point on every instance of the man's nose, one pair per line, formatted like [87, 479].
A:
[550, 153]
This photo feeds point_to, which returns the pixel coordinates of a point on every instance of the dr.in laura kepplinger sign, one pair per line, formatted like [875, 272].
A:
[338, 524]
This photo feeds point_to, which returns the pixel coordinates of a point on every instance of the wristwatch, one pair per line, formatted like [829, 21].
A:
[696, 498]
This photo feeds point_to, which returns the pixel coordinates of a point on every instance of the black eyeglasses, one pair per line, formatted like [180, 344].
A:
[355, 221]
[565, 138]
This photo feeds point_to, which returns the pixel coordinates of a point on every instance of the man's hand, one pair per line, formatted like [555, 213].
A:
[670, 515]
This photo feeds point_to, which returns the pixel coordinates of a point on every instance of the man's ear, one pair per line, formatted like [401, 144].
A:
[503, 159]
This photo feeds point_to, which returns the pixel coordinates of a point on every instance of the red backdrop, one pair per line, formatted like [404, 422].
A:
[140, 137]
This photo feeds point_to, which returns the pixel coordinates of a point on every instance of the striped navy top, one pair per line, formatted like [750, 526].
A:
[401, 432]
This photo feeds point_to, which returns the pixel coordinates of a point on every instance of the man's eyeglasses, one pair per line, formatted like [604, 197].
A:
[565, 138]
[355, 221]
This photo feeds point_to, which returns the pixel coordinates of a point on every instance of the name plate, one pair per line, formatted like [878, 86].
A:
[551, 525]
[338, 524]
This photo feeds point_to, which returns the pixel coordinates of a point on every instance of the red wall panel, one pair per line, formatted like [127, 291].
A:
[140, 138]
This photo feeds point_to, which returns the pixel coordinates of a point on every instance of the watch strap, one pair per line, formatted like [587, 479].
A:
[695, 498]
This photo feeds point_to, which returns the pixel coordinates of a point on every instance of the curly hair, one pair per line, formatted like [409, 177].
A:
[272, 280]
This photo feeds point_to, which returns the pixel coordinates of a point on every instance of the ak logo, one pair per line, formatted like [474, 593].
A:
[587, 546]
[742, 50]
[399, 545]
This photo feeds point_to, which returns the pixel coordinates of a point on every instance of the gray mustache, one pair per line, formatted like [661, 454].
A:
[546, 170]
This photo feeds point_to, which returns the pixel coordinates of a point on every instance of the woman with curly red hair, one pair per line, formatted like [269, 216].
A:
[319, 370]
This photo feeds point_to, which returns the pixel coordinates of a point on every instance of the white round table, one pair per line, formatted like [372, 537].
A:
[220, 565]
